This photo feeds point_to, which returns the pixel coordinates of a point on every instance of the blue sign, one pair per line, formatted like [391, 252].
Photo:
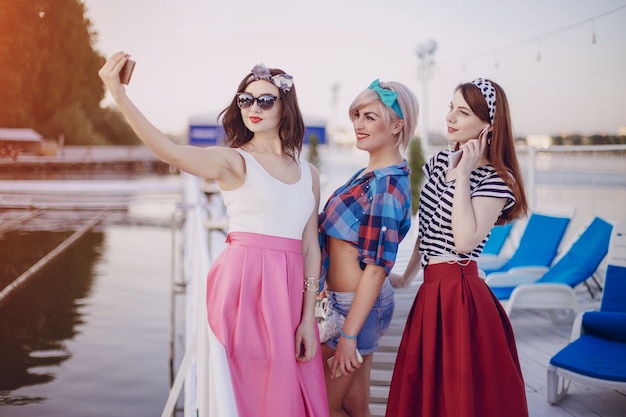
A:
[205, 135]
[318, 131]
[210, 135]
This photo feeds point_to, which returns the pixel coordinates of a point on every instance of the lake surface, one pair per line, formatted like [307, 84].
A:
[90, 336]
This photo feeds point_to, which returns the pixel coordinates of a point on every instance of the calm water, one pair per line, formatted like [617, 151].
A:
[90, 335]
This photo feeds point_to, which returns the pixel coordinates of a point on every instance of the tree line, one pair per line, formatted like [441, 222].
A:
[589, 140]
[49, 74]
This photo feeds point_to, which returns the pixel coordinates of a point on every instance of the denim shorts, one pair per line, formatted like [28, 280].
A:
[375, 324]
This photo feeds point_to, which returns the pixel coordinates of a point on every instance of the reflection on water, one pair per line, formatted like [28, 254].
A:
[89, 335]
[37, 320]
[21, 249]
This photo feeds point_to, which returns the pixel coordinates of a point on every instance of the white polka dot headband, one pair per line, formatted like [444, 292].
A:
[489, 92]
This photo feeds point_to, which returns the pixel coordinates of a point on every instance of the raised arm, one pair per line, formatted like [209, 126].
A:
[218, 163]
[472, 218]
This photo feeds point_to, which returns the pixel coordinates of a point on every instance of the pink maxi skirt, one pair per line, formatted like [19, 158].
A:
[254, 305]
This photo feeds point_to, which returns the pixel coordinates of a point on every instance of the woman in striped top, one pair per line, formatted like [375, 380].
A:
[458, 356]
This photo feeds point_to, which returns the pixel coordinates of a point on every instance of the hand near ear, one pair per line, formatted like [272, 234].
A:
[473, 152]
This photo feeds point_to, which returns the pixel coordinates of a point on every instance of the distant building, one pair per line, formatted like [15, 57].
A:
[539, 141]
[343, 136]
[27, 140]
[205, 130]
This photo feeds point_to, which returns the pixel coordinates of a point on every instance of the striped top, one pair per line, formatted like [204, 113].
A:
[435, 210]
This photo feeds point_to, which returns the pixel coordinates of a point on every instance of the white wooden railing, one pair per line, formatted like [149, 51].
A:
[195, 264]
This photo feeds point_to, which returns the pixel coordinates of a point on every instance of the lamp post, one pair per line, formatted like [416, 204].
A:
[333, 126]
[425, 52]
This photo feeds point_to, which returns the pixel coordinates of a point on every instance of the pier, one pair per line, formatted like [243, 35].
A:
[26, 277]
[98, 197]
[77, 158]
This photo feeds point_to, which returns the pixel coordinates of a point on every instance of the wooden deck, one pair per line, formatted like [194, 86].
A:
[538, 338]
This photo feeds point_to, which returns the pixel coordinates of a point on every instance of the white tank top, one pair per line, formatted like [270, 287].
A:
[268, 206]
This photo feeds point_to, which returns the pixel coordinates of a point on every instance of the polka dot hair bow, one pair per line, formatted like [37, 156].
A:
[489, 93]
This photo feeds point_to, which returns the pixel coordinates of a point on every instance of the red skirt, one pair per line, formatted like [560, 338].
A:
[457, 357]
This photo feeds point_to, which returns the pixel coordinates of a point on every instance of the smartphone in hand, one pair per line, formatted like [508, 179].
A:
[359, 359]
[454, 159]
[455, 156]
[127, 71]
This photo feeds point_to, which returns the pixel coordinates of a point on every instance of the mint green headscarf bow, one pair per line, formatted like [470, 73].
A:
[388, 97]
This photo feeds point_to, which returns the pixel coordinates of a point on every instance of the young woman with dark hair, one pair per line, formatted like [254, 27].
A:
[261, 290]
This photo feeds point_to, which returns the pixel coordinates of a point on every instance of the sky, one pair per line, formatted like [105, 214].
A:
[192, 54]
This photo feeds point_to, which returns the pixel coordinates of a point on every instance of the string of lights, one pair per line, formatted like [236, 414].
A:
[537, 39]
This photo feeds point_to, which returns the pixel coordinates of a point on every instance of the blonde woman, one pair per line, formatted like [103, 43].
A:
[360, 229]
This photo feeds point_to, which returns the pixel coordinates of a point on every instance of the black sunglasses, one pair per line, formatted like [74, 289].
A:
[264, 101]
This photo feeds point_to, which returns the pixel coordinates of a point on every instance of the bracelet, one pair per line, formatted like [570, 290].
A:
[348, 337]
[311, 284]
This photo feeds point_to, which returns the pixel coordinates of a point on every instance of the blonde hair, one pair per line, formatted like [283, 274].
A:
[408, 105]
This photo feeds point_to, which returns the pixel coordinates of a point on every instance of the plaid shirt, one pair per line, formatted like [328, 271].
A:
[373, 213]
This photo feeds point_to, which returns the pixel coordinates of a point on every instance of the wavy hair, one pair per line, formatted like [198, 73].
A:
[290, 130]
[501, 151]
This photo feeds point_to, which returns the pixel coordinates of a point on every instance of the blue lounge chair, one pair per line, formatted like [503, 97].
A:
[497, 238]
[553, 288]
[493, 254]
[596, 354]
[538, 245]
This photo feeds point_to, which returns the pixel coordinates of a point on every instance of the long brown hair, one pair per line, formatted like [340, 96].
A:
[290, 130]
[501, 150]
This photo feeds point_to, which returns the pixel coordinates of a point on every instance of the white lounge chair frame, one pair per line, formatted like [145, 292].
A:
[556, 298]
[559, 379]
